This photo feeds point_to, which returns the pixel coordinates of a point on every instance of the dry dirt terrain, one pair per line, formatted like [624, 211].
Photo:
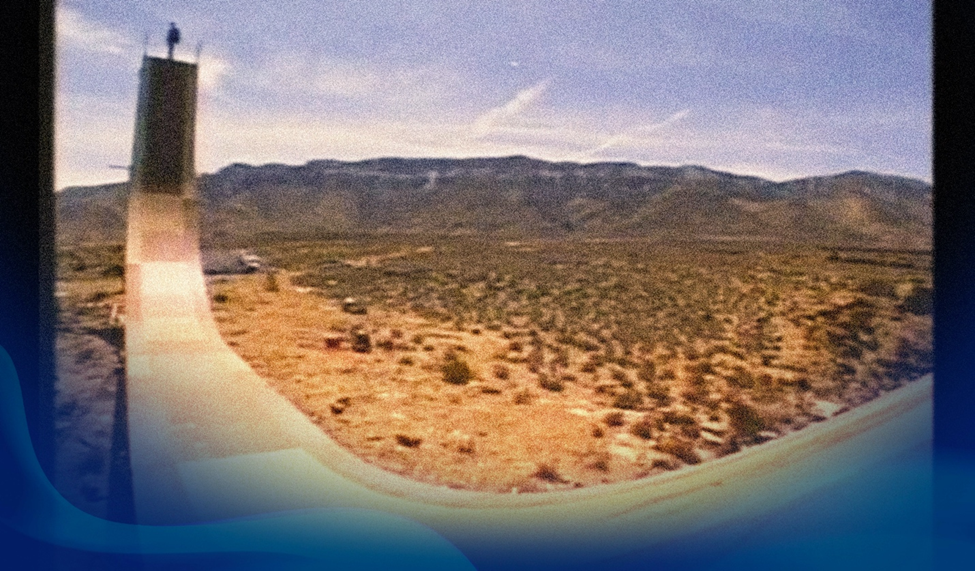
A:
[486, 381]
[522, 368]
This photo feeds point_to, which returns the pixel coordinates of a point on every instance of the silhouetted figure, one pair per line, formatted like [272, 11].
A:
[172, 38]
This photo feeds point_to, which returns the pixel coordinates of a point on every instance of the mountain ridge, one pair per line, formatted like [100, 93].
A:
[523, 196]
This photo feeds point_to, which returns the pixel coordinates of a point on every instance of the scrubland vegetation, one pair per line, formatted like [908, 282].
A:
[655, 354]
[526, 366]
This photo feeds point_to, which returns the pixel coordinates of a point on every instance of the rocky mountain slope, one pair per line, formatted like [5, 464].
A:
[520, 196]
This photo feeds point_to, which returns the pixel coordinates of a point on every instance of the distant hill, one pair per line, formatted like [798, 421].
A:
[522, 197]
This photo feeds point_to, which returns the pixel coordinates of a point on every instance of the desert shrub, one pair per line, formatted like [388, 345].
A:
[691, 431]
[597, 432]
[456, 371]
[524, 397]
[660, 393]
[601, 464]
[361, 342]
[406, 360]
[642, 428]
[697, 394]
[515, 347]
[677, 418]
[386, 344]
[98, 296]
[221, 297]
[741, 378]
[271, 282]
[919, 302]
[614, 419]
[501, 371]
[550, 383]
[561, 358]
[745, 420]
[114, 335]
[803, 383]
[589, 366]
[408, 441]
[701, 368]
[535, 360]
[620, 376]
[912, 357]
[339, 406]
[766, 386]
[114, 271]
[879, 288]
[730, 446]
[628, 400]
[664, 464]
[549, 474]
[861, 318]
[682, 449]
[587, 345]
[647, 372]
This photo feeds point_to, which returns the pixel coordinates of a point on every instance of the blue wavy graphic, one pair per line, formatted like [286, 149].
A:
[305, 539]
[881, 519]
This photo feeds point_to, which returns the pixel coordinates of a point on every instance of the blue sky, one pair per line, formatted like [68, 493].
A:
[772, 88]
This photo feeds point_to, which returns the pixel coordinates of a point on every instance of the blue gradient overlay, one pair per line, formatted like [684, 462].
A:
[305, 539]
[878, 520]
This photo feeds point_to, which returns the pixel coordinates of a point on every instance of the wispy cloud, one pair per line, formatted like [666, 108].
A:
[633, 137]
[75, 31]
[666, 122]
[307, 81]
[498, 116]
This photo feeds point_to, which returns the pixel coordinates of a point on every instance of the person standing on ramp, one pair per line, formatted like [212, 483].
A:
[172, 38]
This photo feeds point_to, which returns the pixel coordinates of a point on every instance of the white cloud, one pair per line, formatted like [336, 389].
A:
[76, 31]
[499, 116]
[90, 134]
[213, 69]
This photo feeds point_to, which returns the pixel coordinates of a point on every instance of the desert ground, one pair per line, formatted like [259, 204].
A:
[526, 366]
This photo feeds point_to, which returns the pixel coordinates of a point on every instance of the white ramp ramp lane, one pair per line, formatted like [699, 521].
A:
[209, 439]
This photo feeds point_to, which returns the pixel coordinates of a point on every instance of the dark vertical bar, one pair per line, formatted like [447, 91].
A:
[954, 201]
[47, 317]
[954, 312]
